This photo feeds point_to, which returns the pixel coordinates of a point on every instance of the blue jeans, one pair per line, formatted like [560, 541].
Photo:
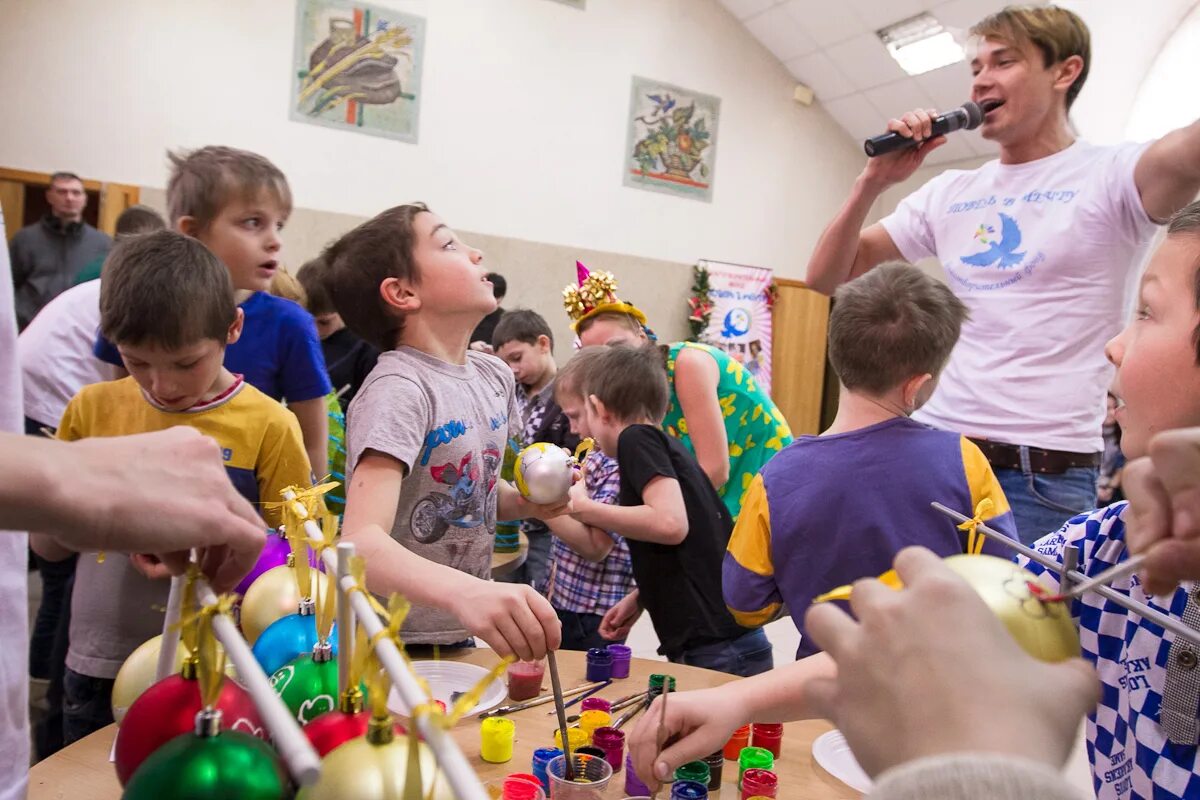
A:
[746, 655]
[582, 631]
[87, 705]
[1042, 503]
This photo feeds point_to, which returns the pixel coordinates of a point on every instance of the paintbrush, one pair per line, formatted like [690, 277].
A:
[1127, 567]
[661, 737]
[620, 721]
[568, 767]
[537, 701]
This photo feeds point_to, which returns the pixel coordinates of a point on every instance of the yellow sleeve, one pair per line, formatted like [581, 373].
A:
[985, 488]
[748, 575]
[72, 426]
[282, 462]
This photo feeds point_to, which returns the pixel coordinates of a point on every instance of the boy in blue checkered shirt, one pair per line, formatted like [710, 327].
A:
[1142, 738]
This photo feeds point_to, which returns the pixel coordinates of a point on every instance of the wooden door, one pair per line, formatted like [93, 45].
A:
[106, 200]
[800, 321]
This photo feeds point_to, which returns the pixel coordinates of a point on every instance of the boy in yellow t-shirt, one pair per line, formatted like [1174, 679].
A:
[168, 305]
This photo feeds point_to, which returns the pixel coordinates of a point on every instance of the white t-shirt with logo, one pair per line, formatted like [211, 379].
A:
[1044, 254]
[56, 353]
[14, 628]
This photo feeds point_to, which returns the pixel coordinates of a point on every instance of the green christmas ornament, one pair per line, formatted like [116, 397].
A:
[211, 764]
[308, 684]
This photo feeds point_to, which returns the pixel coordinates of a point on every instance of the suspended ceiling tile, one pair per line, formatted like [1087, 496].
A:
[744, 9]
[865, 61]
[823, 25]
[781, 34]
[819, 73]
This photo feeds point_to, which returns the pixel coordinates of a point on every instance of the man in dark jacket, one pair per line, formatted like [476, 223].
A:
[47, 254]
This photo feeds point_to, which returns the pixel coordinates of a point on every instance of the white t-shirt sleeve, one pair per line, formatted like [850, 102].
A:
[1126, 212]
[909, 225]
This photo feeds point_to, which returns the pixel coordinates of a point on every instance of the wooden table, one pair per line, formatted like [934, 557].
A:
[507, 563]
[83, 770]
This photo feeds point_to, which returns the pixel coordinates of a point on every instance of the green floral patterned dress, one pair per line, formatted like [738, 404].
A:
[754, 426]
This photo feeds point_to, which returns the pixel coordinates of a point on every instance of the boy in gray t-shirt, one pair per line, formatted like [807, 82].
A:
[426, 433]
[448, 425]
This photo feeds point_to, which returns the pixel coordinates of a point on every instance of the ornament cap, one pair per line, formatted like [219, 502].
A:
[291, 560]
[352, 701]
[322, 652]
[380, 730]
[208, 722]
[307, 606]
[190, 668]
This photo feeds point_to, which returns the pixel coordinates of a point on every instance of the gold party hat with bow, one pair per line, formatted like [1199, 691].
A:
[595, 293]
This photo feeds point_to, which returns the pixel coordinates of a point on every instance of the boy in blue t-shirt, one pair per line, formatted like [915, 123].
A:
[833, 508]
[236, 203]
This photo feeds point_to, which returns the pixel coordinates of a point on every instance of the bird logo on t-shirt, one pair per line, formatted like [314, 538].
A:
[1003, 251]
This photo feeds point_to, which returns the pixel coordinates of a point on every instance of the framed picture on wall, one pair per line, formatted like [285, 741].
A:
[357, 67]
[671, 145]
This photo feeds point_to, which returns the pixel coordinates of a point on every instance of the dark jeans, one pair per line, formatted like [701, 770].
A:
[87, 705]
[57, 577]
[746, 655]
[582, 631]
[1042, 503]
[48, 733]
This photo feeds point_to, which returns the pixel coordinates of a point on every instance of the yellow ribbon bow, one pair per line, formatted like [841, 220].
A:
[975, 539]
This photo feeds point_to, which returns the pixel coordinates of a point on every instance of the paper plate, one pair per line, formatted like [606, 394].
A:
[447, 677]
[831, 751]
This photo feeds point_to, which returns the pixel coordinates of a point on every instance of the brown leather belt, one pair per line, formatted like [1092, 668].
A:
[1048, 462]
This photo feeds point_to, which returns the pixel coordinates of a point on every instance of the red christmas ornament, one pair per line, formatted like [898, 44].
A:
[167, 709]
[337, 727]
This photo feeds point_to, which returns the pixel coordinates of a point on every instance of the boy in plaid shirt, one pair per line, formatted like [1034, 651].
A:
[1142, 738]
[587, 582]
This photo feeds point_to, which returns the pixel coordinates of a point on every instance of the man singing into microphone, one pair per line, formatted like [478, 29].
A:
[1042, 245]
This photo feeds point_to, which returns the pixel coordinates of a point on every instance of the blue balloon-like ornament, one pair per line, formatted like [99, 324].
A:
[286, 638]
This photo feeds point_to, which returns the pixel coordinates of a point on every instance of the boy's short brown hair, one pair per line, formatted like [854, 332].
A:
[204, 181]
[1056, 32]
[627, 320]
[630, 381]
[138, 219]
[362, 260]
[165, 289]
[892, 324]
[571, 379]
[1186, 222]
[314, 277]
[521, 325]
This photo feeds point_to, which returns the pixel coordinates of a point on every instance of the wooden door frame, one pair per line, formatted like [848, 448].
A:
[114, 197]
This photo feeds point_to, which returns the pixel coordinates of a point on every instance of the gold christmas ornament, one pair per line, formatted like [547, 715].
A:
[274, 595]
[363, 770]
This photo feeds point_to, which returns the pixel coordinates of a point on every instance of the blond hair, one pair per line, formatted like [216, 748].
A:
[285, 285]
[1056, 32]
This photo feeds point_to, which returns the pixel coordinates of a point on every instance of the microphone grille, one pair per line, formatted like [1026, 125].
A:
[974, 115]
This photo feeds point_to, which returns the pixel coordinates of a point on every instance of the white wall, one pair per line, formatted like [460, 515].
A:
[522, 125]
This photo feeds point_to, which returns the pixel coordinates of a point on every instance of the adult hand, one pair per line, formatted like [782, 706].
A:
[697, 723]
[1163, 520]
[511, 618]
[897, 166]
[161, 493]
[930, 670]
[618, 620]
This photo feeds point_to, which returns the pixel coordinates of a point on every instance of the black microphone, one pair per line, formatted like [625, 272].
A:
[969, 116]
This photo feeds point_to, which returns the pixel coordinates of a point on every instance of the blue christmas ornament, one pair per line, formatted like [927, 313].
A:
[286, 638]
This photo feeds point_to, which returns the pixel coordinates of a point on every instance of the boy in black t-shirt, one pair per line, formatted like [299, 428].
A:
[674, 520]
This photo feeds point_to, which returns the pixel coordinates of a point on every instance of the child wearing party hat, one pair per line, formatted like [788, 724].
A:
[716, 408]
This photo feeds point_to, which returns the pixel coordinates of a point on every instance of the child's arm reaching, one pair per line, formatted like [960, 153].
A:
[588, 541]
[510, 618]
[661, 519]
[700, 722]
